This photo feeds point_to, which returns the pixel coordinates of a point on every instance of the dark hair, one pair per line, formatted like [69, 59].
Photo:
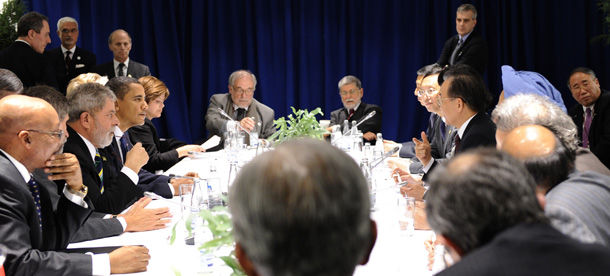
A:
[9, 81]
[468, 85]
[479, 194]
[550, 170]
[30, 21]
[120, 85]
[52, 96]
[583, 70]
[430, 69]
[468, 7]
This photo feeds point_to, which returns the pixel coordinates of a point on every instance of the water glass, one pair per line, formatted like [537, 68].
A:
[186, 196]
[406, 216]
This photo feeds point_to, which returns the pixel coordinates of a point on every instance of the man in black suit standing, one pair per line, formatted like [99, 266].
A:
[119, 43]
[467, 47]
[482, 205]
[592, 113]
[68, 60]
[24, 57]
[351, 92]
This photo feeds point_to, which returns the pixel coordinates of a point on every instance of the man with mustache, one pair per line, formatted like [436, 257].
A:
[119, 43]
[351, 92]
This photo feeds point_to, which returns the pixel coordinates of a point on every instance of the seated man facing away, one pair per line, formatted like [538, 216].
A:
[315, 202]
[482, 205]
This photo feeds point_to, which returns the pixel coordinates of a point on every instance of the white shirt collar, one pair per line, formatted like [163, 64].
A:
[584, 108]
[64, 49]
[464, 126]
[90, 146]
[235, 107]
[24, 42]
[465, 36]
[20, 167]
[355, 107]
[116, 65]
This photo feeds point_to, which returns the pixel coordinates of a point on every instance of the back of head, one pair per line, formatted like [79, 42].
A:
[52, 96]
[350, 79]
[9, 82]
[302, 209]
[85, 78]
[30, 21]
[527, 82]
[543, 154]
[531, 109]
[120, 85]
[88, 97]
[479, 194]
[468, 85]
[153, 88]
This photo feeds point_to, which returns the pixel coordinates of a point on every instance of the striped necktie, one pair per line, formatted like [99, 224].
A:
[36, 195]
[99, 168]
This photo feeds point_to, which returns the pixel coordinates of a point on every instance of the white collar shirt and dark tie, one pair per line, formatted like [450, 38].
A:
[117, 66]
[127, 171]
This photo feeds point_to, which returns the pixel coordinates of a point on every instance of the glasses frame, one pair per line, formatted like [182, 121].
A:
[240, 91]
[59, 134]
[351, 92]
[429, 92]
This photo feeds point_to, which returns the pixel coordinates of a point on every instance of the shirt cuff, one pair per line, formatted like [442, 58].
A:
[427, 167]
[100, 264]
[131, 174]
[74, 198]
[171, 187]
[123, 222]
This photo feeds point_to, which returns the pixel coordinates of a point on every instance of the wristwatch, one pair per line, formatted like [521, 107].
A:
[81, 193]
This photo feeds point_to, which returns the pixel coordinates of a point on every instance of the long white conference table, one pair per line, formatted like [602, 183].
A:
[393, 254]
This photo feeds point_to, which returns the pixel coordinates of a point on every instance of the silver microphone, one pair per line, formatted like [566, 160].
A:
[223, 113]
[368, 116]
[379, 160]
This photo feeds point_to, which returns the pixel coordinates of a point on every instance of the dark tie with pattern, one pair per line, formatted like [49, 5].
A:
[241, 113]
[121, 66]
[34, 189]
[454, 55]
[457, 142]
[351, 113]
[585, 133]
[68, 62]
[125, 145]
[99, 167]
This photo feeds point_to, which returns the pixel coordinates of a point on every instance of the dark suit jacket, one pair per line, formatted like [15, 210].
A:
[83, 61]
[95, 226]
[148, 181]
[599, 133]
[473, 52]
[373, 124]
[31, 67]
[480, 132]
[134, 69]
[440, 145]
[158, 158]
[533, 249]
[30, 250]
[119, 191]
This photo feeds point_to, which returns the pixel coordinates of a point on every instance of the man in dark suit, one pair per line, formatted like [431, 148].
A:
[467, 47]
[240, 105]
[31, 229]
[351, 92]
[24, 57]
[131, 111]
[68, 60]
[509, 235]
[119, 43]
[592, 113]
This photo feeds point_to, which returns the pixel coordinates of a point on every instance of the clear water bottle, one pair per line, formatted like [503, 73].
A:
[206, 256]
[354, 129]
[368, 175]
[378, 150]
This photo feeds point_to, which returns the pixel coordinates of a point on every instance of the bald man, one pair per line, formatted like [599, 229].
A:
[119, 42]
[31, 138]
[576, 203]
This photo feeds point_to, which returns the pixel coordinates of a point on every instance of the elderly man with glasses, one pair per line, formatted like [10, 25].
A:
[351, 92]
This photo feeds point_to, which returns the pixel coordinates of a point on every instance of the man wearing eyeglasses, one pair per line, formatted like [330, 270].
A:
[68, 60]
[351, 92]
[240, 105]
[592, 113]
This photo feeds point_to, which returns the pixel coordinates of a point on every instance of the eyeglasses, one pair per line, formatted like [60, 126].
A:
[577, 87]
[240, 91]
[351, 92]
[441, 99]
[57, 134]
[65, 31]
[428, 92]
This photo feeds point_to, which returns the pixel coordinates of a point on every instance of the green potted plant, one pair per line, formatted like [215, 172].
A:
[302, 124]
[12, 10]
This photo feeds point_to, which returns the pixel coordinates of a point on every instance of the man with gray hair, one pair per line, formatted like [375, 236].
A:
[24, 57]
[9, 83]
[68, 60]
[531, 109]
[302, 209]
[483, 208]
[240, 105]
[467, 47]
[351, 92]
[119, 43]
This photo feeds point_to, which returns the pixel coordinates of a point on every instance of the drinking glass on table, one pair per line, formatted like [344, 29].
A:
[186, 196]
[406, 215]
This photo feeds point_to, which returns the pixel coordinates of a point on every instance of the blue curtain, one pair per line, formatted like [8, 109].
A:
[300, 49]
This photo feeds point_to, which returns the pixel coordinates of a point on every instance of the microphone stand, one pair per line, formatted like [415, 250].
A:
[368, 116]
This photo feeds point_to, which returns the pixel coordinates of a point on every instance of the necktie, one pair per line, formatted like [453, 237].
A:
[121, 66]
[36, 195]
[442, 129]
[587, 127]
[125, 145]
[68, 62]
[351, 113]
[241, 113]
[454, 55]
[99, 167]
[457, 142]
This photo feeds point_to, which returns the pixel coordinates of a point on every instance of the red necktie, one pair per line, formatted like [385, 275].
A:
[351, 113]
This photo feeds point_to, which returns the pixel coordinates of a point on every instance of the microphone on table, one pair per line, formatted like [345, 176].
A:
[223, 113]
[379, 160]
[368, 116]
